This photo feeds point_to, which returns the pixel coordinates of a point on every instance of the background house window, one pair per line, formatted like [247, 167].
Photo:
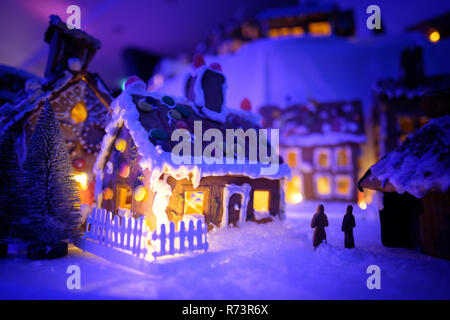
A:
[292, 158]
[194, 202]
[294, 190]
[319, 28]
[323, 185]
[322, 158]
[343, 157]
[124, 197]
[261, 200]
[343, 185]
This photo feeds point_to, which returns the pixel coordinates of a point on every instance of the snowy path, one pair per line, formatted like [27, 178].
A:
[273, 261]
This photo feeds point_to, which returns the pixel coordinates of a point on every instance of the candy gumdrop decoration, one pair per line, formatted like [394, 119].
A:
[216, 66]
[181, 125]
[133, 81]
[246, 105]
[198, 60]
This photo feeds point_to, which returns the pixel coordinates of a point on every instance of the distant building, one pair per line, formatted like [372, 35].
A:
[413, 182]
[321, 144]
[79, 98]
[309, 18]
[397, 111]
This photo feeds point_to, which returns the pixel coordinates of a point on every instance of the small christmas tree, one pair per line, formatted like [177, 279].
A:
[10, 199]
[53, 209]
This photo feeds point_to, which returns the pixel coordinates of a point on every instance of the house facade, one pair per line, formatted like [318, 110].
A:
[321, 144]
[412, 184]
[136, 173]
[79, 98]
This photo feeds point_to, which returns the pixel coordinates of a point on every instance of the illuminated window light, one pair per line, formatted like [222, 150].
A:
[274, 33]
[297, 31]
[82, 180]
[79, 113]
[107, 194]
[293, 190]
[343, 158]
[193, 202]
[434, 36]
[292, 159]
[343, 185]
[323, 186]
[121, 145]
[124, 198]
[261, 201]
[139, 193]
[363, 205]
[319, 28]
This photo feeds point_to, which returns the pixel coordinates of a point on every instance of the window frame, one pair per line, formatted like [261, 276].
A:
[316, 179]
[349, 195]
[348, 150]
[316, 157]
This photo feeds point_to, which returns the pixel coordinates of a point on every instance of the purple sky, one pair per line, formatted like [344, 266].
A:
[161, 26]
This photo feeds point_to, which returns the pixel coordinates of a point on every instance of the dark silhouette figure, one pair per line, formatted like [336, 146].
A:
[348, 223]
[319, 222]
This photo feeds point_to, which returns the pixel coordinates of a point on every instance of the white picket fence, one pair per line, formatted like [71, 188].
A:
[111, 236]
[178, 242]
[127, 234]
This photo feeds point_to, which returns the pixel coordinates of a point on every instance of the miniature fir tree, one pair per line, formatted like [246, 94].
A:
[53, 209]
[10, 178]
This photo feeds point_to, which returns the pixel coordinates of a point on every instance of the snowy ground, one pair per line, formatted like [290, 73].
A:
[272, 261]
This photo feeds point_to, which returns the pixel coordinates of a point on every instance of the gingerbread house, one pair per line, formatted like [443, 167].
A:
[321, 143]
[79, 98]
[137, 174]
[412, 184]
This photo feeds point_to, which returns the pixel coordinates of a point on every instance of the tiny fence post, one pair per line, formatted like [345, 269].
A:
[191, 236]
[182, 234]
[172, 239]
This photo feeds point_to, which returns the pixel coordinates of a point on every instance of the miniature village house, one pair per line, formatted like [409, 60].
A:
[79, 98]
[321, 143]
[135, 173]
[412, 184]
[397, 111]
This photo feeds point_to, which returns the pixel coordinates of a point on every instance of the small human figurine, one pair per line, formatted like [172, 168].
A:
[348, 223]
[319, 222]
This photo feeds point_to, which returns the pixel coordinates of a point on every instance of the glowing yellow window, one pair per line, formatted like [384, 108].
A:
[343, 157]
[79, 113]
[261, 201]
[273, 33]
[193, 202]
[297, 31]
[343, 185]
[323, 158]
[294, 190]
[124, 198]
[292, 159]
[423, 121]
[323, 185]
[319, 28]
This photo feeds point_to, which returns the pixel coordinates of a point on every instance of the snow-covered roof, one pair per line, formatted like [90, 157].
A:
[143, 112]
[12, 81]
[394, 89]
[37, 90]
[316, 124]
[421, 164]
